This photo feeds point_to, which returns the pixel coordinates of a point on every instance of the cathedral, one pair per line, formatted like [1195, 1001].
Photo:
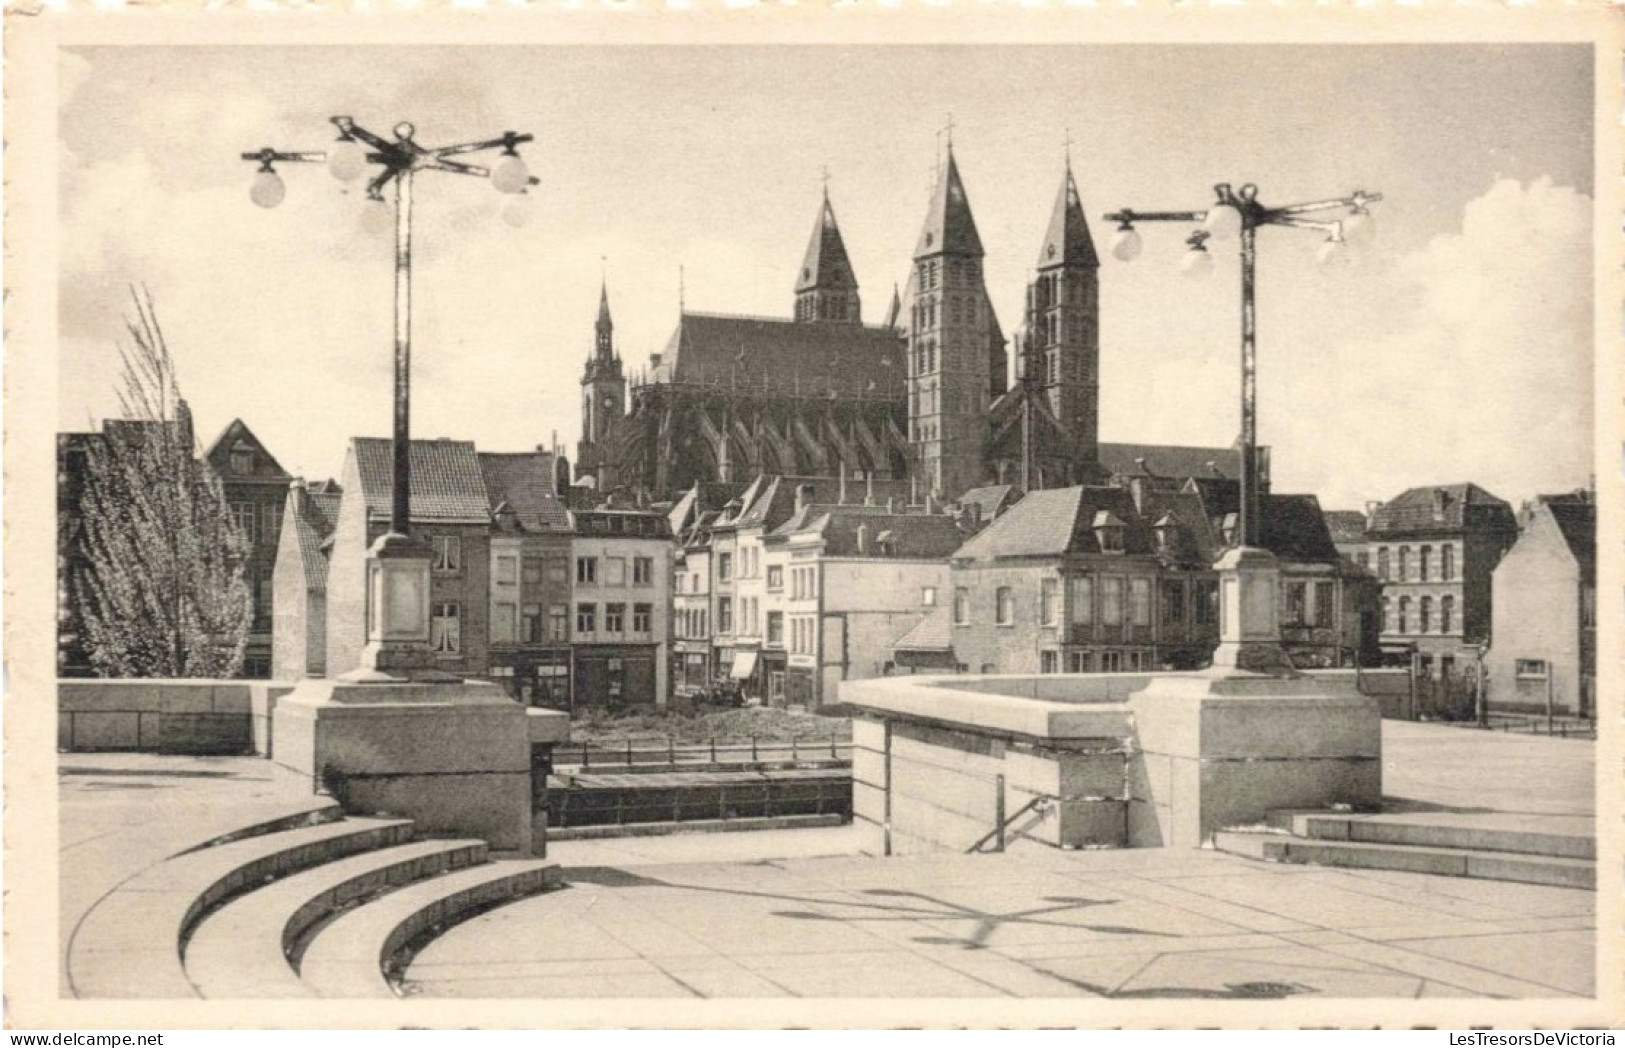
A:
[924, 397]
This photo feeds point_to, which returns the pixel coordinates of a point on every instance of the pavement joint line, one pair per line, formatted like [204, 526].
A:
[1431, 888]
[1331, 947]
[1309, 925]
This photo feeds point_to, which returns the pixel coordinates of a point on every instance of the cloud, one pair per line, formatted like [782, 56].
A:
[1489, 376]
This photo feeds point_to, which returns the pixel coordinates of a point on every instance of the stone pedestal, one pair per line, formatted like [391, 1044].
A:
[454, 757]
[1249, 620]
[397, 614]
[1225, 749]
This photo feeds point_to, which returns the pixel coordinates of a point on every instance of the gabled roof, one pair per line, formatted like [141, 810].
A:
[1067, 241]
[1291, 526]
[237, 436]
[314, 518]
[447, 482]
[1576, 518]
[524, 481]
[1346, 525]
[931, 633]
[1169, 460]
[1064, 520]
[1440, 507]
[825, 265]
[913, 535]
[949, 226]
[784, 356]
[992, 500]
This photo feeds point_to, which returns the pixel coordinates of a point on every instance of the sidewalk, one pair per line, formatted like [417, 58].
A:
[648, 917]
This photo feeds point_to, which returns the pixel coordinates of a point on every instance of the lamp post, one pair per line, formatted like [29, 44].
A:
[1250, 631]
[397, 568]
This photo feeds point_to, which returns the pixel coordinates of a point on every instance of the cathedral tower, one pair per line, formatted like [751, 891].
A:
[956, 350]
[603, 392]
[1061, 350]
[826, 289]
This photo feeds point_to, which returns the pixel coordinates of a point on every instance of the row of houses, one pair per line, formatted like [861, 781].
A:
[782, 587]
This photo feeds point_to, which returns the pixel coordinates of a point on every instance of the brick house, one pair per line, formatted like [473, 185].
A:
[1120, 579]
[1545, 611]
[256, 487]
[1434, 550]
[451, 514]
[299, 626]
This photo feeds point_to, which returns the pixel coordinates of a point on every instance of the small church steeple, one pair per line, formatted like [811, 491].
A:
[605, 326]
[826, 289]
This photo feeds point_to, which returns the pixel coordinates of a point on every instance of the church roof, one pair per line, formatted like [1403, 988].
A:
[784, 356]
[1067, 242]
[949, 227]
[603, 304]
[1169, 460]
[825, 264]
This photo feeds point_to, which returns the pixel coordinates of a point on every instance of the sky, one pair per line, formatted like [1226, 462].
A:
[1457, 347]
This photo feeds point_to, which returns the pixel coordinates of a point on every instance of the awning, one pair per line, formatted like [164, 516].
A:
[744, 665]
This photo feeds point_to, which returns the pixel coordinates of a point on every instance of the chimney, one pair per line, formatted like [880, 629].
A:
[804, 497]
[555, 442]
[863, 540]
[1136, 488]
[1371, 512]
[869, 487]
[1440, 500]
[976, 514]
[298, 493]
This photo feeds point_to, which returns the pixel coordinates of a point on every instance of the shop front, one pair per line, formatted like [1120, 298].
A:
[614, 678]
[535, 678]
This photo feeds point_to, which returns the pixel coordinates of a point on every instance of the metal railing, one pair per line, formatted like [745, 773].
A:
[671, 754]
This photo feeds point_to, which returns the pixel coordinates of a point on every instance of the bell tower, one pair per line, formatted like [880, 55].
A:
[956, 353]
[1061, 351]
[603, 392]
[826, 289]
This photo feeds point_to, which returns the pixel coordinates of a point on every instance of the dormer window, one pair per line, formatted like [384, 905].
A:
[1165, 530]
[242, 459]
[1109, 532]
[1230, 528]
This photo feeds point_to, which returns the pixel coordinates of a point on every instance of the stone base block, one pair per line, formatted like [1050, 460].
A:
[1225, 750]
[455, 758]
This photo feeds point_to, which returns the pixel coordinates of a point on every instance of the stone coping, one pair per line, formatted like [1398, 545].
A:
[935, 699]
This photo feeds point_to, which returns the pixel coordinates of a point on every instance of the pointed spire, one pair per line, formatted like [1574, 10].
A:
[949, 227]
[1067, 242]
[605, 327]
[895, 310]
[826, 266]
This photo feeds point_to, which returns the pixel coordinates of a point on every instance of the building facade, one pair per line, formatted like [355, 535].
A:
[1543, 654]
[256, 488]
[1434, 550]
[299, 584]
[1120, 579]
[621, 604]
[530, 593]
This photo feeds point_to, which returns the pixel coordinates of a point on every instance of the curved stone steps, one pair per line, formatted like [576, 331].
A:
[243, 949]
[348, 957]
[130, 943]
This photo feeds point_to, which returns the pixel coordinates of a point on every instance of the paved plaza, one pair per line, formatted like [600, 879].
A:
[797, 914]
[783, 913]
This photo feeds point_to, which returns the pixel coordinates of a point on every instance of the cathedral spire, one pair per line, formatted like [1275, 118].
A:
[605, 326]
[949, 227]
[895, 311]
[826, 288]
[1068, 243]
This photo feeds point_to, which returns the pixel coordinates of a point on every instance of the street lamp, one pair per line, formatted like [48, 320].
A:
[398, 569]
[1249, 615]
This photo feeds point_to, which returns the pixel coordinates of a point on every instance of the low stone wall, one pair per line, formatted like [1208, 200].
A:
[198, 717]
[1130, 760]
[1390, 687]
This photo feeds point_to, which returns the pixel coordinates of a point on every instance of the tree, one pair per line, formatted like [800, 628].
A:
[161, 589]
